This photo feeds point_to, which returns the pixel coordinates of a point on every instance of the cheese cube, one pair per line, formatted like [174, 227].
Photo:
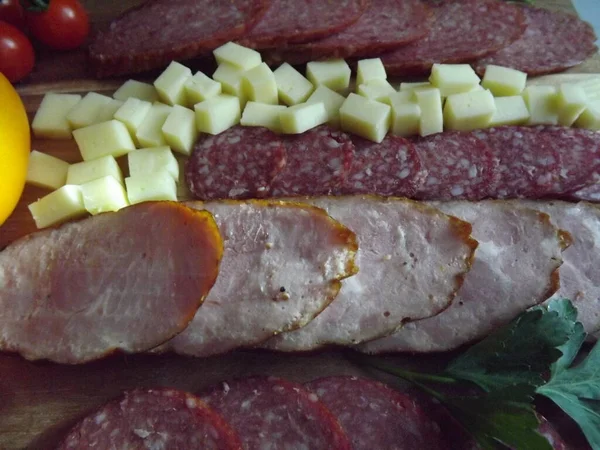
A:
[230, 78]
[302, 117]
[64, 204]
[405, 118]
[432, 118]
[147, 161]
[453, 78]
[132, 114]
[591, 87]
[170, 84]
[46, 171]
[106, 138]
[469, 110]
[590, 118]
[149, 133]
[402, 97]
[103, 195]
[50, 120]
[504, 81]
[509, 111]
[571, 102]
[238, 56]
[159, 186]
[262, 115]
[84, 172]
[292, 87]
[541, 103]
[366, 118]
[87, 110]
[109, 110]
[332, 102]
[370, 69]
[335, 74]
[217, 114]
[416, 86]
[259, 85]
[200, 87]
[180, 130]
[378, 90]
[136, 89]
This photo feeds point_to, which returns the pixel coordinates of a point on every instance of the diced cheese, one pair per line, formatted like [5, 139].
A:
[469, 110]
[136, 89]
[378, 90]
[335, 74]
[64, 204]
[509, 111]
[366, 118]
[85, 113]
[146, 161]
[132, 114]
[302, 117]
[504, 81]
[217, 114]
[332, 102]
[262, 115]
[109, 110]
[541, 103]
[292, 86]
[259, 85]
[159, 186]
[571, 102]
[170, 84]
[238, 56]
[50, 120]
[453, 78]
[180, 130]
[402, 97]
[149, 133]
[432, 118]
[103, 195]
[46, 171]
[591, 87]
[106, 138]
[415, 86]
[370, 69]
[230, 78]
[84, 172]
[590, 118]
[200, 87]
[406, 116]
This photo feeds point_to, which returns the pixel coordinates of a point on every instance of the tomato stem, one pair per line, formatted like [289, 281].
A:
[36, 5]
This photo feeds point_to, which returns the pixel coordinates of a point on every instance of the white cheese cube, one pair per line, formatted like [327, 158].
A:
[415, 86]
[46, 171]
[170, 84]
[217, 114]
[262, 115]
[103, 195]
[259, 85]
[591, 87]
[136, 89]
[406, 116]
[335, 74]
[230, 78]
[50, 120]
[180, 130]
[332, 102]
[302, 117]
[541, 103]
[238, 56]
[453, 78]
[59, 206]
[109, 110]
[366, 118]
[590, 117]
[378, 90]
[157, 187]
[370, 69]
[292, 86]
[432, 118]
[132, 114]
[504, 81]
[87, 110]
[571, 102]
[106, 138]
[509, 111]
[402, 97]
[469, 110]
[84, 172]
[147, 161]
[200, 87]
[149, 133]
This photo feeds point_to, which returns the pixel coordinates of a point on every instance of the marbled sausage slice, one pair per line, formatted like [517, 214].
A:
[125, 281]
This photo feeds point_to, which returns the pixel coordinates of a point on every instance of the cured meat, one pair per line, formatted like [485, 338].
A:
[375, 416]
[385, 25]
[293, 21]
[154, 419]
[529, 162]
[553, 41]
[516, 266]
[281, 266]
[125, 281]
[458, 167]
[317, 163]
[589, 193]
[160, 31]
[241, 162]
[399, 243]
[462, 31]
[271, 413]
[392, 168]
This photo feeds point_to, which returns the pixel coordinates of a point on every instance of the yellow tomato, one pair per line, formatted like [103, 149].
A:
[14, 148]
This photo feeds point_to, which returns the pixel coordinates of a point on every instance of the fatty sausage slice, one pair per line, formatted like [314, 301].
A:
[125, 281]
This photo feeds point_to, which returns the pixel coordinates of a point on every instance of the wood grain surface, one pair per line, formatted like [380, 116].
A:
[40, 401]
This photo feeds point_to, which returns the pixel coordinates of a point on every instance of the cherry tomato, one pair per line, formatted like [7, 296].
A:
[16, 53]
[12, 12]
[58, 24]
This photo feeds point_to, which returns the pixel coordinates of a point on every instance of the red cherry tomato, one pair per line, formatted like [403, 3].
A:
[12, 12]
[16, 53]
[58, 24]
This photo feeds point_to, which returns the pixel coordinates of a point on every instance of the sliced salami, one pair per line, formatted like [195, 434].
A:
[458, 166]
[553, 41]
[462, 31]
[375, 416]
[318, 162]
[154, 418]
[391, 168]
[241, 162]
[271, 413]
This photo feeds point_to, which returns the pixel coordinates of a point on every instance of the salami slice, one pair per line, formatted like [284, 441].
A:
[375, 416]
[462, 31]
[292, 21]
[529, 162]
[458, 166]
[553, 41]
[318, 162]
[154, 418]
[271, 413]
[241, 162]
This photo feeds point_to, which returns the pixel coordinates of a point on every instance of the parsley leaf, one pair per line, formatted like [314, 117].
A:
[571, 348]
